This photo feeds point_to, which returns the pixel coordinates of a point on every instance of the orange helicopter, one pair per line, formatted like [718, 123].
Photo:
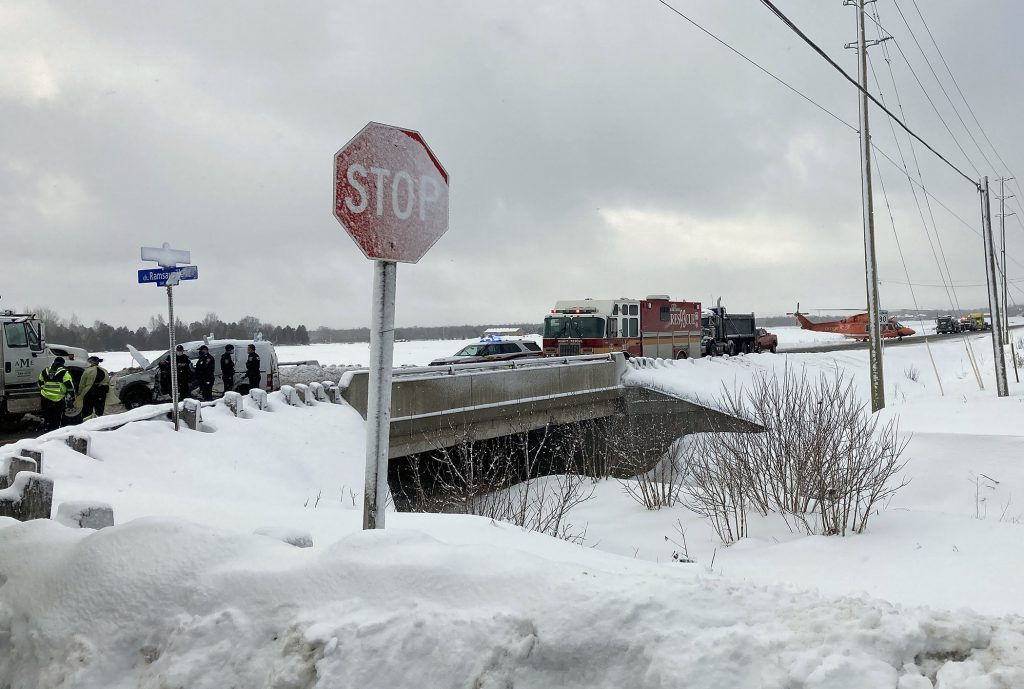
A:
[855, 326]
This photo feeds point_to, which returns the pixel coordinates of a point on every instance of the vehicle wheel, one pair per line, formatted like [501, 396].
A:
[136, 397]
[774, 348]
[242, 388]
[680, 355]
[711, 351]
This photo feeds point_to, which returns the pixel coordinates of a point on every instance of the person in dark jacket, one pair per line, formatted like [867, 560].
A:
[165, 376]
[252, 367]
[185, 372]
[204, 373]
[227, 367]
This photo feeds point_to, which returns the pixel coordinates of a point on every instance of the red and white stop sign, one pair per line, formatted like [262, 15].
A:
[390, 193]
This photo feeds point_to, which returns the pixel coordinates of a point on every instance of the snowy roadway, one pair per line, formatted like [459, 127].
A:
[181, 594]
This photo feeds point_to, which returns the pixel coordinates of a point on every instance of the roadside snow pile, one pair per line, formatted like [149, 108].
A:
[312, 373]
[172, 604]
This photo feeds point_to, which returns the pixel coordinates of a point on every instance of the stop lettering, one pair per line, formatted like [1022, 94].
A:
[390, 193]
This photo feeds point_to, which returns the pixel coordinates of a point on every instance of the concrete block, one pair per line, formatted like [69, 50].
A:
[85, 515]
[16, 465]
[29, 497]
[192, 414]
[79, 442]
[295, 537]
[334, 394]
[259, 399]
[36, 455]
[302, 392]
[233, 401]
[290, 396]
[317, 392]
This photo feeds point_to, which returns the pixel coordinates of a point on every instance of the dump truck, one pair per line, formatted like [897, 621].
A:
[733, 333]
[947, 324]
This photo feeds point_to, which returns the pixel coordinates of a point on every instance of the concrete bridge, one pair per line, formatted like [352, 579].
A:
[441, 406]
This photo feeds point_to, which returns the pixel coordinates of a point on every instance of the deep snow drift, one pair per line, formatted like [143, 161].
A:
[188, 596]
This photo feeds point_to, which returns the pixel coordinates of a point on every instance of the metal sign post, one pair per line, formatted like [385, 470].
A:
[391, 196]
[378, 396]
[169, 259]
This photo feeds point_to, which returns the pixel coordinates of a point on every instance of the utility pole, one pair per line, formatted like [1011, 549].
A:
[1002, 253]
[992, 278]
[870, 262]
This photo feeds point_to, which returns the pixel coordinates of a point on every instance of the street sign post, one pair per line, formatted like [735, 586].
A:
[391, 196]
[169, 275]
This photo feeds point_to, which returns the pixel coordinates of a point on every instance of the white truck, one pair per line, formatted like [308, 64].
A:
[23, 356]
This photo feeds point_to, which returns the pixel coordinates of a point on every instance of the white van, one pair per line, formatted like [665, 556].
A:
[143, 387]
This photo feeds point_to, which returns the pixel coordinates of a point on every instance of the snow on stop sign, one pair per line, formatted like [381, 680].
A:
[390, 193]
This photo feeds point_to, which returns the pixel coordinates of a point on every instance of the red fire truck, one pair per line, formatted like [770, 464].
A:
[655, 327]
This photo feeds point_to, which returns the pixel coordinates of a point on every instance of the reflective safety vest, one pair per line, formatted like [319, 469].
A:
[53, 385]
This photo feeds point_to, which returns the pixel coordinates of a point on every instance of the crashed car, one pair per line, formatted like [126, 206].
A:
[492, 349]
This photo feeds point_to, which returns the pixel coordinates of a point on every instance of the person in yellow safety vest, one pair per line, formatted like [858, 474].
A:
[92, 390]
[57, 389]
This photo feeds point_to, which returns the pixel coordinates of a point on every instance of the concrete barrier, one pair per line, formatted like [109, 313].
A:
[317, 392]
[295, 537]
[291, 398]
[192, 413]
[29, 497]
[13, 465]
[85, 515]
[302, 392]
[233, 401]
[259, 399]
[79, 442]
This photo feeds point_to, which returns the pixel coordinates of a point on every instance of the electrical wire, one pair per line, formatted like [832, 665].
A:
[792, 88]
[938, 81]
[778, 13]
[957, 85]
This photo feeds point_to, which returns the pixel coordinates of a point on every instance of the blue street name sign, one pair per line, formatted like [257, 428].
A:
[160, 275]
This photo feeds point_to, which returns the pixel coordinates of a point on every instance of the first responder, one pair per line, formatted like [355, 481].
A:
[204, 373]
[252, 367]
[57, 390]
[92, 390]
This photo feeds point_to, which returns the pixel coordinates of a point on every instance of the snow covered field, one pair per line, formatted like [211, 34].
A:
[181, 593]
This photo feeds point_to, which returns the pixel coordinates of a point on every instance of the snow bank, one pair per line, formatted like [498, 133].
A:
[165, 603]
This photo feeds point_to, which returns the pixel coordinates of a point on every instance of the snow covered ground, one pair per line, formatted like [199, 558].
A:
[182, 593]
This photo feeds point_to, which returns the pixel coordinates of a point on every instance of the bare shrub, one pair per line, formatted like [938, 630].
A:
[822, 462]
[662, 486]
[912, 373]
[508, 479]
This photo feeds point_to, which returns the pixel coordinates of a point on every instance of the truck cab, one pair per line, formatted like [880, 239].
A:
[23, 356]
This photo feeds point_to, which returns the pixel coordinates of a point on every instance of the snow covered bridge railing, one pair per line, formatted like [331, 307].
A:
[440, 406]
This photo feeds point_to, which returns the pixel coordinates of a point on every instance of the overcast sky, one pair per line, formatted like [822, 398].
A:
[595, 149]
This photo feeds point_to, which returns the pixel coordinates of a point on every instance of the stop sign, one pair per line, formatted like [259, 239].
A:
[390, 193]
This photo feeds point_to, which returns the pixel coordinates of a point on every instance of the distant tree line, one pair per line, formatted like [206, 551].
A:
[103, 337]
[438, 332]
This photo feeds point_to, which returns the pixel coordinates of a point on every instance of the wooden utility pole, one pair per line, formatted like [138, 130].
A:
[868, 212]
[992, 278]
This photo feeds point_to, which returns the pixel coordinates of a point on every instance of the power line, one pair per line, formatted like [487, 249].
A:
[924, 90]
[943, 89]
[778, 13]
[792, 88]
[957, 85]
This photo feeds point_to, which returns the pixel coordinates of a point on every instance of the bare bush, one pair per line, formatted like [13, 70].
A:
[912, 373]
[822, 462]
[511, 478]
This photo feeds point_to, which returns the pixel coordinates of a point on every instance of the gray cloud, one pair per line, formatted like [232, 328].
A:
[595, 149]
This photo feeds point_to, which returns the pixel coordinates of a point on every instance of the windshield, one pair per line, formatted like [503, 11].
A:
[472, 350]
[573, 326]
